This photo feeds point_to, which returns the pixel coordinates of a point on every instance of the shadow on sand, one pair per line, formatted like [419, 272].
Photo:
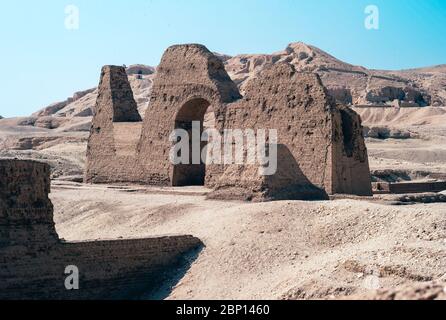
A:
[170, 277]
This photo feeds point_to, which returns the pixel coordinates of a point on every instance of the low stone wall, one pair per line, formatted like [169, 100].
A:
[33, 260]
[409, 187]
[417, 187]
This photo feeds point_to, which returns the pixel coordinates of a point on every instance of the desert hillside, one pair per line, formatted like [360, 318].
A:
[348, 84]
[406, 143]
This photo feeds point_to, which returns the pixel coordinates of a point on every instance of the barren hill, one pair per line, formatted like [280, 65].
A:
[82, 103]
[349, 84]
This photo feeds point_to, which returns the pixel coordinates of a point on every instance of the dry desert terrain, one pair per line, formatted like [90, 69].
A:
[277, 250]
[347, 247]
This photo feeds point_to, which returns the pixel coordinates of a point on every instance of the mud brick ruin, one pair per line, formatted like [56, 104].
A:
[408, 187]
[321, 149]
[33, 258]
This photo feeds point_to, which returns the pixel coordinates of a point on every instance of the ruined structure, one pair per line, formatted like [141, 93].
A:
[408, 187]
[33, 259]
[320, 145]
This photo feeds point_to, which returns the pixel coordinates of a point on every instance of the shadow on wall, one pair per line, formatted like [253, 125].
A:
[289, 182]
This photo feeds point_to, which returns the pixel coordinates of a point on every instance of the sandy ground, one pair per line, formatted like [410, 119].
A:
[411, 154]
[426, 151]
[278, 250]
[289, 249]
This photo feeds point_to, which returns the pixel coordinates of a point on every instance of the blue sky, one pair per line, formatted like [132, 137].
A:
[43, 62]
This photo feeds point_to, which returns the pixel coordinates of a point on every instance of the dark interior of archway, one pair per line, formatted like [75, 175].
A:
[347, 130]
[190, 174]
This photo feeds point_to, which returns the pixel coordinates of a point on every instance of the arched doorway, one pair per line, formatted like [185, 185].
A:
[195, 110]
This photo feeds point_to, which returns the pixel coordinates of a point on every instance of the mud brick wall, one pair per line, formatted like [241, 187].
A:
[126, 137]
[321, 151]
[107, 269]
[418, 187]
[297, 107]
[381, 187]
[321, 142]
[408, 187]
[350, 167]
[203, 77]
[26, 213]
[33, 259]
[189, 79]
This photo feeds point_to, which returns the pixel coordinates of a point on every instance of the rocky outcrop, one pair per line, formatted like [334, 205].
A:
[348, 84]
[405, 95]
[45, 122]
[49, 122]
[27, 121]
[55, 107]
[52, 108]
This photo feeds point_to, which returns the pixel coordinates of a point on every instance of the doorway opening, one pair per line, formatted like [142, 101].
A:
[195, 110]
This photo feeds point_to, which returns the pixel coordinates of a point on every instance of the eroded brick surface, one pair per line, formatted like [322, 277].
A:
[33, 259]
[321, 146]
